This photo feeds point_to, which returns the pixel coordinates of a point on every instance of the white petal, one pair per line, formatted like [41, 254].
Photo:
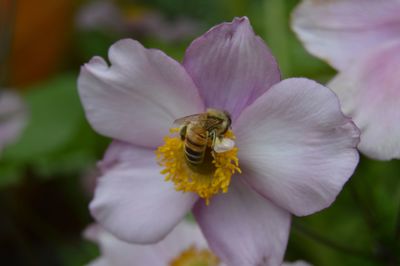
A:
[132, 200]
[296, 147]
[13, 116]
[231, 66]
[115, 252]
[369, 91]
[138, 97]
[243, 228]
[342, 30]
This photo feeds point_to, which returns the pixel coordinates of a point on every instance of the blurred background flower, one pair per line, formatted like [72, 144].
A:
[361, 39]
[184, 246]
[43, 203]
[110, 18]
[13, 116]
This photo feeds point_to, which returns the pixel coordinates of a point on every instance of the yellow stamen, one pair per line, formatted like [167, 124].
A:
[207, 179]
[195, 257]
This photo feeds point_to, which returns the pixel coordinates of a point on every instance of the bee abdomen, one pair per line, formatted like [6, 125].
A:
[195, 147]
[194, 157]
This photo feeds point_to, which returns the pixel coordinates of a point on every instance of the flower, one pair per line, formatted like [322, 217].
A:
[295, 147]
[361, 39]
[184, 246]
[12, 117]
[134, 20]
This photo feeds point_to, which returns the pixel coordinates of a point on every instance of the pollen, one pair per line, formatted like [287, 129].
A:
[195, 257]
[211, 177]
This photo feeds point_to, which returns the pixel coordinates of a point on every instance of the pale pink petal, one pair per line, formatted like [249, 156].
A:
[13, 116]
[115, 252]
[184, 235]
[133, 201]
[369, 92]
[231, 66]
[243, 228]
[340, 31]
[296, 147]
[138, 97]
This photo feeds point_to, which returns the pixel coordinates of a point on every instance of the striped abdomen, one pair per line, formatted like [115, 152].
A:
[195, 143]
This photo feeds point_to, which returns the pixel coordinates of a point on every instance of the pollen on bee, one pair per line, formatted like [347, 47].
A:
[224, 145]
[207, 179]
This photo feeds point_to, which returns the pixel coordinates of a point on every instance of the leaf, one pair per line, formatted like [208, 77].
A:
[57, 141]
[55, 113]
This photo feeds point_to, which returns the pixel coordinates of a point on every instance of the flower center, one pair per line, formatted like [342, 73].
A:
[207, 178]
[195, 257]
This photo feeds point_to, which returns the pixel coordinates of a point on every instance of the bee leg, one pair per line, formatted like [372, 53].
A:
[213, 136]
[182, 132]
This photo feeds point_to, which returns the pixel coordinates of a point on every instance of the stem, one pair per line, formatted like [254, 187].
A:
[330, 243]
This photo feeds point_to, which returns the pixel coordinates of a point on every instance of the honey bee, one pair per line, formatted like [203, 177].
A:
[204, 130]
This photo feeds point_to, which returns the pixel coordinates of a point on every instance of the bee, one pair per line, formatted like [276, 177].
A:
[204, 130]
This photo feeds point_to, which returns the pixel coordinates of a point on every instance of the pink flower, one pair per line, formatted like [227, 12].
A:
[295, 147]
[185, 245]
[361, 39]
[12, 117]
[108, 15]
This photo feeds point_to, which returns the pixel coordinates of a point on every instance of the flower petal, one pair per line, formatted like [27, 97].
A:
[115, 252]
[13, 116]
[231, 66]
[296, 147]
[132, 195]
[243, 228]
[369, 91]
[139, 96]
[342, 30]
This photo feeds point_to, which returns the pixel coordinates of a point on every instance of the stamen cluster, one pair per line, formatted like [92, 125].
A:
[194, 257]
[189, 179]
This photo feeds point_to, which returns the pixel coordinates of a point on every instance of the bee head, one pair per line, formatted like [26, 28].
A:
[228, 118]
[223, 116]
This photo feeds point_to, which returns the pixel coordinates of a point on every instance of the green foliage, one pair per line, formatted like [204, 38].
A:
[93, 43]
[360, 227]
[57, 139]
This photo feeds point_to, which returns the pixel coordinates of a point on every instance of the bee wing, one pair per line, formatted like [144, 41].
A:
[189, 118]
[211, 122]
